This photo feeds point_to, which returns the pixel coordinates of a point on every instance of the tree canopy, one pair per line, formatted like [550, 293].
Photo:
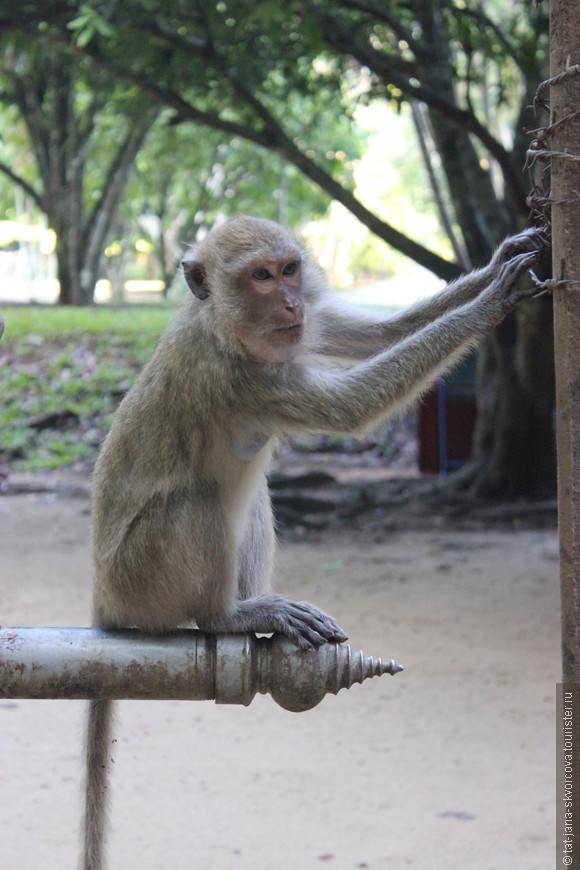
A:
[288, 78]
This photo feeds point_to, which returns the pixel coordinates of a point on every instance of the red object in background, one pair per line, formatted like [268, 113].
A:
[446, 421]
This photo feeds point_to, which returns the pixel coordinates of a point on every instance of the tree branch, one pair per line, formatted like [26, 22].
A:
[482, 19]
[420, 128]
[383, 66]
[31, 110]
[273, 138]
[26, 187]
[25, 13]
[114, 186]
[379, 12]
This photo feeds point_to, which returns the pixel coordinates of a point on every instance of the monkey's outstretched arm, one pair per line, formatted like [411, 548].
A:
[351, 401]
[350, 332]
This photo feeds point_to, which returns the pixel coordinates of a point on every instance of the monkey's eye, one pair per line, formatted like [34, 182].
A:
[261, 274]
[290, 269]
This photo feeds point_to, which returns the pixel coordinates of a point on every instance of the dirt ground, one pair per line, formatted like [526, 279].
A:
[447, 765]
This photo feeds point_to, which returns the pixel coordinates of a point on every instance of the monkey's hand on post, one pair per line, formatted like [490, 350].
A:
[507, 285]
[470, 286]
[530, 241]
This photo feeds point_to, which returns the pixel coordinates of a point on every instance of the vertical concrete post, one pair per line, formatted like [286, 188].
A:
[564, 145]
[565, 148]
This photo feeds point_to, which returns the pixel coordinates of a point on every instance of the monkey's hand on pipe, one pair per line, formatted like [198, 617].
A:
[301, 621]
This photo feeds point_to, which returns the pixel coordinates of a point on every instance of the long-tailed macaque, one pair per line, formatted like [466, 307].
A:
[182, 523]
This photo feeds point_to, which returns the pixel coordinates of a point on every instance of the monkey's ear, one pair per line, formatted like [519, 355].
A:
[196, 277]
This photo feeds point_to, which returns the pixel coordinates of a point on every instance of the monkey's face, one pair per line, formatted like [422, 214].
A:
[273, 307]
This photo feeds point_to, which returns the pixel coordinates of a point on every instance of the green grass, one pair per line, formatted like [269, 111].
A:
[127, 322]
[76, 360]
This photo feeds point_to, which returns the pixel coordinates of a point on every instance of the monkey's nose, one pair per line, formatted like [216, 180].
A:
[296, 309]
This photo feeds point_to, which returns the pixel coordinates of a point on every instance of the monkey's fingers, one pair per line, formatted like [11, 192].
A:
[514, 268]
[532, 239]
[321, 621]
[313, 625]
[307, 629]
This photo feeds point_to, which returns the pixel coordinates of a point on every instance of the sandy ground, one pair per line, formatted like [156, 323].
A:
[447, 765]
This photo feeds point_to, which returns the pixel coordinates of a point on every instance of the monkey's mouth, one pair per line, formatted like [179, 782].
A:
[290, 335]
[296, 327]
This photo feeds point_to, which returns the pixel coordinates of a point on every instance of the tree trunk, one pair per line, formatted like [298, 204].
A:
[514, 448]
[66, 278]
[514, 444]
[60, 125]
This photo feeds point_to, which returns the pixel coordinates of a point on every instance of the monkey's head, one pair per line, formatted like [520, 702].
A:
[259, 283]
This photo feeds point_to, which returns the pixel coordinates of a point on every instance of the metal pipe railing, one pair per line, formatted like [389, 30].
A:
[184, 665]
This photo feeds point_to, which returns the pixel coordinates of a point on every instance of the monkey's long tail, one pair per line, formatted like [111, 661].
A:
[98, 751]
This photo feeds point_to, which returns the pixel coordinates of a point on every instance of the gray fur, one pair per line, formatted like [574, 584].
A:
[182, 523]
